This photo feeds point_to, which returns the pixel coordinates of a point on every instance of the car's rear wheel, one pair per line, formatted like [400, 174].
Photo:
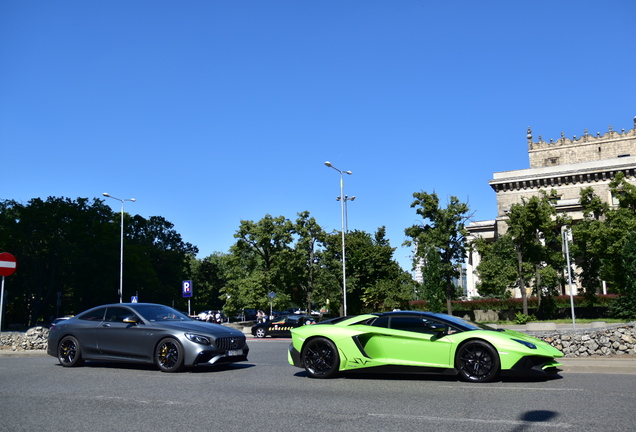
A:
[68, 352]
[260, 333]
[477, 361]
[320, 357]
[169, 355]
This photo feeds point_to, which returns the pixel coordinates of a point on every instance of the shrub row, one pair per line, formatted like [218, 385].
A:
[516, 304]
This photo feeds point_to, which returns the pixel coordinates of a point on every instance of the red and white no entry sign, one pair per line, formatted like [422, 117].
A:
[8, 264]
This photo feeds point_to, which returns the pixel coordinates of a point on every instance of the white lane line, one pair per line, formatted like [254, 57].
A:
[474, 420]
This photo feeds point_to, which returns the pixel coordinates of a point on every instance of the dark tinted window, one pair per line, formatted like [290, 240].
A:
[94, 315]
[381, 322]
[117, 314]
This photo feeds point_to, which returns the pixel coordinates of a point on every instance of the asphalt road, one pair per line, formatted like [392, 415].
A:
[267, 394]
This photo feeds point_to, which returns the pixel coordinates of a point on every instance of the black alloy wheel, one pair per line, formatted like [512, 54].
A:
[169, 355]
[68, 352]
[477, 361]
[321, 359]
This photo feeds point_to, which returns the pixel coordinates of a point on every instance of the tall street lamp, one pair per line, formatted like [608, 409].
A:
[342, 211]
[121, 245]
[346, 198]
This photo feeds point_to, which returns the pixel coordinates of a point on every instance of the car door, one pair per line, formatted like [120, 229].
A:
[277, 327]
[130, 341]
[86, 330]
[410, 340]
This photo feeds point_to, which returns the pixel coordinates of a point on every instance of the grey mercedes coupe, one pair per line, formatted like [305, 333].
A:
[144, 333]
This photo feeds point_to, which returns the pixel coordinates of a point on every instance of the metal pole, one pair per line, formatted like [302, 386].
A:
[566, 234]
[1, 303]
[342, 211]
[344, 266]
[121, 244]
[121, 254]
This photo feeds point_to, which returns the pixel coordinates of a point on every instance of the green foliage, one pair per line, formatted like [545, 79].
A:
[533, 226]
[497, 269]
[442, 230]
[625, 305]
[72, 247]
[559, 302]
[302, 265]
[521, 318]
[433, 286]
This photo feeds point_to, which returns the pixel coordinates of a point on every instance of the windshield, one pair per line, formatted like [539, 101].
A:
[467, 325]
[160, 313]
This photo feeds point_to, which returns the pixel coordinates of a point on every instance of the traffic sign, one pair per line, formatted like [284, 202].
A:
[186, 288]
[8, 264]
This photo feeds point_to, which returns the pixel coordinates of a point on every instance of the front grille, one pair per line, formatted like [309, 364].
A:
[230, 343]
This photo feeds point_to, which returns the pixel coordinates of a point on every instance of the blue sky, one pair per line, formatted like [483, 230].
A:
[212, 112]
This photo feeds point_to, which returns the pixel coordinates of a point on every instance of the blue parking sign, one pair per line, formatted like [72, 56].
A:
[186, 288]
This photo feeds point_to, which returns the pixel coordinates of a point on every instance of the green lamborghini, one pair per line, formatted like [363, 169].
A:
[418, 342]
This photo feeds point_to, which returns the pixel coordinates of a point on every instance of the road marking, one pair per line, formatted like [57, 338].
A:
[515, 388]
[474, 420]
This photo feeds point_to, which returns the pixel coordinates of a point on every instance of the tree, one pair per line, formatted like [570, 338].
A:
[209, 276]
[59, 244]
[589, 246]
[157, 260]
[70, 250]
[259, 263]
[443, 230]
[533, 227]
[497, 269]
[433, 284]
[625, 305]
[309, 237]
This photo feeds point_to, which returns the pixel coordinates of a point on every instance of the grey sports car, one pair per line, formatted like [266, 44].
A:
[144, 333]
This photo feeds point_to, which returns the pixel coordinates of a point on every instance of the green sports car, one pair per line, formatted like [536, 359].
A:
[416, 342]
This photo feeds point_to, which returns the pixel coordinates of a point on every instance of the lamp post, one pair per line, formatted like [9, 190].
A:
[342, 211]
[346, 198]
[121, 244]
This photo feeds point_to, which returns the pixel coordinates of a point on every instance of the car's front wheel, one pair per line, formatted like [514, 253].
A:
[169, 355]
[320, 357]
[477, 361]
[68, 352]
[260, 333]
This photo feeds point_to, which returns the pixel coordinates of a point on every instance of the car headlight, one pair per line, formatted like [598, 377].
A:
[526, 343]
[197, 338]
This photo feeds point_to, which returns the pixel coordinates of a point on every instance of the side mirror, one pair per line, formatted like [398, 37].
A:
[438, 331]
[131, 319]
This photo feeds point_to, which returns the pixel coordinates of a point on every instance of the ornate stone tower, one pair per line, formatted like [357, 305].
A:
[565, 165]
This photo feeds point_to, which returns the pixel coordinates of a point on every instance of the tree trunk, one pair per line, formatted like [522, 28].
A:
[522, 283]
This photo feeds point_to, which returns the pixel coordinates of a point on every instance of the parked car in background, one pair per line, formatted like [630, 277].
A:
[144, 333]
[281, 326]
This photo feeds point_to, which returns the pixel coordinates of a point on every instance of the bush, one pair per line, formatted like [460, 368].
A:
[556, 302]
[523, 319]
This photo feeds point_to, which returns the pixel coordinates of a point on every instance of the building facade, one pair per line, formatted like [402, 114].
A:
[565, 165]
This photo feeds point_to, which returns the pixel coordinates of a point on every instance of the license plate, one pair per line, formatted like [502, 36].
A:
[235, 352]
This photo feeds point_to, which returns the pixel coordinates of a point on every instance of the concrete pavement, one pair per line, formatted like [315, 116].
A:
[599, 365]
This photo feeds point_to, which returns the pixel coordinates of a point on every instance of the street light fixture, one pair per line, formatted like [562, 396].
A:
[342, 212]
[121, 245]
[346, 198]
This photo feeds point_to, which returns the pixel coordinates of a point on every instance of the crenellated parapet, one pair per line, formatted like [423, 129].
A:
[586, 148]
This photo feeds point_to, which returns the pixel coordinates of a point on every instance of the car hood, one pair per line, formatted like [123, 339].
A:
[542, 346]
[203, 327]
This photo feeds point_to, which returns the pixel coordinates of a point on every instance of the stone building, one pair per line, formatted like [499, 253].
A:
[565, 165]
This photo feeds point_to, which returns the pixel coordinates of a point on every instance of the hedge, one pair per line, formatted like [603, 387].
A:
[604, 300]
